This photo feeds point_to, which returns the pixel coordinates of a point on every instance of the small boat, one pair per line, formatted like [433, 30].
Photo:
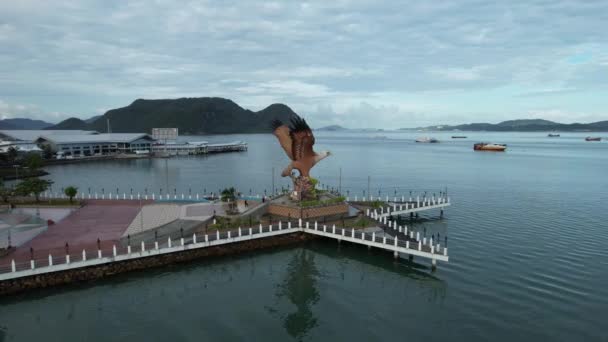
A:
[552, 135]
[458, 137]
[489, 147]
[593, 139]
[427, 140]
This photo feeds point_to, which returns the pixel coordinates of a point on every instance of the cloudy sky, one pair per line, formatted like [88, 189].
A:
[358, 63]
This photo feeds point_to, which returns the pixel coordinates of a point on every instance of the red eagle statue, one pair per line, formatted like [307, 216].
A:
[297, 140]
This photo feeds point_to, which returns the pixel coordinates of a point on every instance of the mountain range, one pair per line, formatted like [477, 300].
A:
[524, 125]
[192, 116]
[23, 123]
[214, 115]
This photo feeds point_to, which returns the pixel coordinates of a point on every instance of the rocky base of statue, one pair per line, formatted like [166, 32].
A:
[303, 189]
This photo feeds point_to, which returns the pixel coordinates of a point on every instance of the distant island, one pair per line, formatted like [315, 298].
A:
[524, 125]
[332, 128]
[203, 115]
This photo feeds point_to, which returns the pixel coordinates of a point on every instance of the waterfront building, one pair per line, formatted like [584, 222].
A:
[80, 143]
[96, 144]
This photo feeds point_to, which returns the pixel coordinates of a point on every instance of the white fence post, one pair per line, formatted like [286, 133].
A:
[13, 266]
[84, 255]
[50, 260]
[169, 242]
[114, 251]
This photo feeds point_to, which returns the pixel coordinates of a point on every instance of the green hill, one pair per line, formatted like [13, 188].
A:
[204, 115]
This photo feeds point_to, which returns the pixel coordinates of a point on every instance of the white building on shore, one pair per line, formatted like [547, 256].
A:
[79, 143]
[96, 144]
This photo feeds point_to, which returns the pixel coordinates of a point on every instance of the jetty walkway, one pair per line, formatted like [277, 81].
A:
[71, 260]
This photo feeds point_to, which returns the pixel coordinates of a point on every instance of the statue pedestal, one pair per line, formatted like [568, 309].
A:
[286, 207]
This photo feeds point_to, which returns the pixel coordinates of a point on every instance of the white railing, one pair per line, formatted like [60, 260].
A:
[416, 247]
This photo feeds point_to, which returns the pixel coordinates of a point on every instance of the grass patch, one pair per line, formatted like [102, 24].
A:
[317, 203]
[222, 223]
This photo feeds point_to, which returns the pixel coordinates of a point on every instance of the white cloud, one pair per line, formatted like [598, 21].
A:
[428, 61]
[459, 74]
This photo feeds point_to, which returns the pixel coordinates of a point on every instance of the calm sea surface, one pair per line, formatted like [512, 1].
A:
[528, 242]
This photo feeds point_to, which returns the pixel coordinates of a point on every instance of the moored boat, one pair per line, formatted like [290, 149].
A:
[593, 139]
[553, 135]
[459, 137]
[427, 140]
[489, 147]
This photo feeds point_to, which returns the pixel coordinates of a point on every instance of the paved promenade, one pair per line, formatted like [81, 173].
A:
[106, 220]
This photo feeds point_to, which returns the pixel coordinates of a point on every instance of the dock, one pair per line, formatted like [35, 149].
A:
[197, 148]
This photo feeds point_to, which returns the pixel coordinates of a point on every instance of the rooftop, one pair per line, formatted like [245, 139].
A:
[95, 138]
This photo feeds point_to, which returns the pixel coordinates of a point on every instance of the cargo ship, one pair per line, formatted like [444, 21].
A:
[489, 147]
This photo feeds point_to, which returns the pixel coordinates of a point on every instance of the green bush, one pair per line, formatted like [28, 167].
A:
[34, 186]
[71, 192]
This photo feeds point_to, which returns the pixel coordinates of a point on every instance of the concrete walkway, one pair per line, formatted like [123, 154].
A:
[98, 219]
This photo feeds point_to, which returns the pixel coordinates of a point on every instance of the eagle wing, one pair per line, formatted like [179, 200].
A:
[282, 132]
[302, 139]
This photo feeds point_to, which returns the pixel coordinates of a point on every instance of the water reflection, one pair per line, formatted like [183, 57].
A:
[2, 334]
[300, 288]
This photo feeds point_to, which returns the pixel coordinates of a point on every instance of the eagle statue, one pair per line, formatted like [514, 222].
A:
[297, 141]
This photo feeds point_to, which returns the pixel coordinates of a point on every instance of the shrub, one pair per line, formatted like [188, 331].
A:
[71, 192]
